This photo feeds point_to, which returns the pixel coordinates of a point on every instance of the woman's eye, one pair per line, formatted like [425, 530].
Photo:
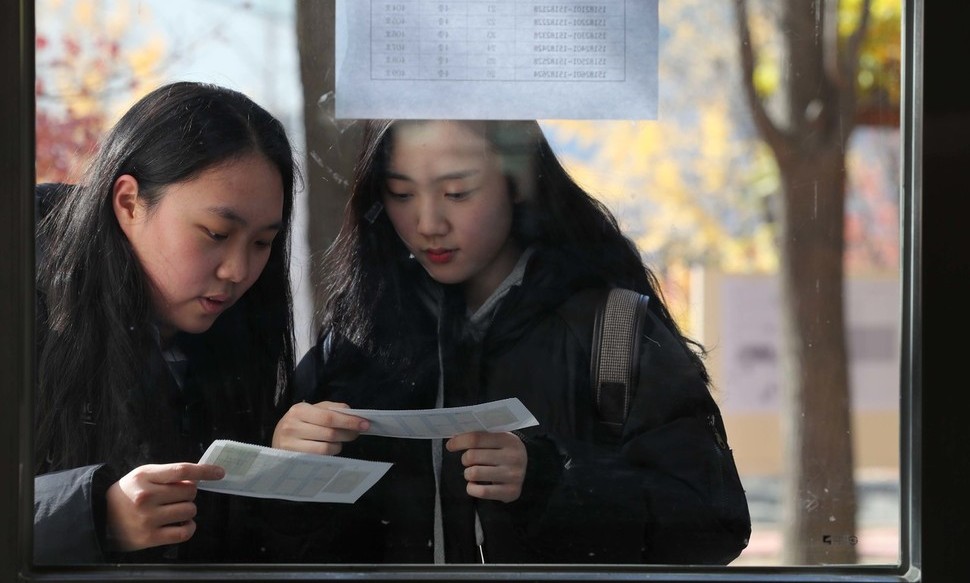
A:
[398, 195]
[217, 236]
[458, 195]
[264, 243]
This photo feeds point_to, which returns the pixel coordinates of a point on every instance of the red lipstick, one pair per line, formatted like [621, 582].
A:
[439, 255]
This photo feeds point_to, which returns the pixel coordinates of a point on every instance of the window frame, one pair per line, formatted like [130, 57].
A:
[929, 135]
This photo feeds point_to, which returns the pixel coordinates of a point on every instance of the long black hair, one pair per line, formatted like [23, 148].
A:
[371, 293]
[96, 331]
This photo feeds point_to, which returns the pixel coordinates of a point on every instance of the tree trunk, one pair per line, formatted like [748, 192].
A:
[331, 144]
[808, 142]
[819, 495]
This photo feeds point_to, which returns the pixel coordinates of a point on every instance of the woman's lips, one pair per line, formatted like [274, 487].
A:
[213, 304]
[439, 255]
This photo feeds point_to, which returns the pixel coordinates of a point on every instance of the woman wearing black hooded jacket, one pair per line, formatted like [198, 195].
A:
[470, 268]
[164, 321]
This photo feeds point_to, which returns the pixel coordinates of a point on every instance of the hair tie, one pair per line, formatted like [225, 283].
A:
[374, 212]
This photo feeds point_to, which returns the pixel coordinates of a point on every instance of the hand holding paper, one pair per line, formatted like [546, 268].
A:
[265, 472]
[504, 415]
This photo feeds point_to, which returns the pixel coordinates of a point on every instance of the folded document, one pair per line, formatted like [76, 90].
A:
[265, 472]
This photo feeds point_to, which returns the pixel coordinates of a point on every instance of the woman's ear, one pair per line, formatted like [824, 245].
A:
[521, 185]
[124, 200]
[513, 187]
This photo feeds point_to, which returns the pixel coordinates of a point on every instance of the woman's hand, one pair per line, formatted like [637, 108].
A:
[319, 428]
[154, 505]
[494, 464]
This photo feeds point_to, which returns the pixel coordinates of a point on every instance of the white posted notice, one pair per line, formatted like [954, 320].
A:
[265, 472]
[496, 59]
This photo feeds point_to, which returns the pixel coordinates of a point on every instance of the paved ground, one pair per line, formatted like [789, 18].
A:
[878, 520]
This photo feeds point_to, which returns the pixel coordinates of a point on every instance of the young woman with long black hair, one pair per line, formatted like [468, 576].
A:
[470, 268]
[164, 322]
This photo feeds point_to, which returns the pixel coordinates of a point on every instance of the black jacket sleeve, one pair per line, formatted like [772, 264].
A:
[668, 493]
[698, 511]
[69, 516]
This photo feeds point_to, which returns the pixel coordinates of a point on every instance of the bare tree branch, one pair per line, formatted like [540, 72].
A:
[853, 46]
[850, 63]
[830, 40]
[762, 120]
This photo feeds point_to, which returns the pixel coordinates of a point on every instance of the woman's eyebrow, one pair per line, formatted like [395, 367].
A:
[231, 215]
[391, 175]
[457, 175]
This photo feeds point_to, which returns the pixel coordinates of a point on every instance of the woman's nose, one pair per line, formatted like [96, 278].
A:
[431, 219]
[234, 266]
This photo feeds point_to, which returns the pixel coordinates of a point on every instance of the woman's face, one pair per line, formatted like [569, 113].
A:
[206, 241]
[449, 202]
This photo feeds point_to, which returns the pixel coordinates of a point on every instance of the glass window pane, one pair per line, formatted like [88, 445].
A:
[769, 197]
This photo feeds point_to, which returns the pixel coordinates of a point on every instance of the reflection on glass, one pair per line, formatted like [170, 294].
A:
[770, 181]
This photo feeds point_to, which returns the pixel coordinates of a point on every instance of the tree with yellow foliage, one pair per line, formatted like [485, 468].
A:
[89, 70]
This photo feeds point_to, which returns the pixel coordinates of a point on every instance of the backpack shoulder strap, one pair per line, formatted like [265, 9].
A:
[614, 362]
